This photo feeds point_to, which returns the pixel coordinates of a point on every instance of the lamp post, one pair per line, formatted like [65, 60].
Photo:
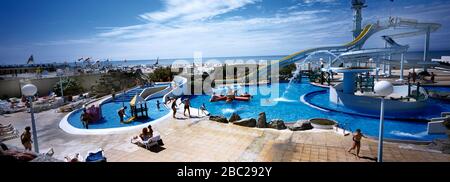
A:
[60, 73]
[383, 89]
[29, 90]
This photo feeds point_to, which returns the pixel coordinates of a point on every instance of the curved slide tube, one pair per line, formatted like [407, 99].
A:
[369, 30]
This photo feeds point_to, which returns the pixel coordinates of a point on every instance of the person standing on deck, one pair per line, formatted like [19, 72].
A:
[187, 105]
[357, 141]
[113, 94]
[432, 77]
[174, 107]
[25, 138]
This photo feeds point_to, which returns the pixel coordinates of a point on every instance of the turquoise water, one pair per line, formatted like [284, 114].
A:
[112, 120]
[438, 89]
[287, 106]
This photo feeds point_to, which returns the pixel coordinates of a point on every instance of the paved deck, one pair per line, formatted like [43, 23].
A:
[197, 139]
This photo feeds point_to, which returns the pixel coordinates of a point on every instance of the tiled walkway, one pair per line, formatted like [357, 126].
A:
[198, 139]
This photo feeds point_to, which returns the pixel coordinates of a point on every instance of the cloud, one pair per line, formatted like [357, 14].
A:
[194, 9]
[318, 1]
[177, 31]
[280, 33]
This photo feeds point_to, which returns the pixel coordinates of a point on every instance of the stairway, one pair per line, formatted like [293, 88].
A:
[129, 94]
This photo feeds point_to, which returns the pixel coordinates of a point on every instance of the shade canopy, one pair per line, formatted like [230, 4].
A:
[137, 100]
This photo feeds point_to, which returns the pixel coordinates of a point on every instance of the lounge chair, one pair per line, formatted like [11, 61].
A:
[76, 158]
[8, 132]
[155, 140]
[97, 156]
[5, 126]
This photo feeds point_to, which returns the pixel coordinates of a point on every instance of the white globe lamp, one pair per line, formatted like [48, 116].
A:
[383, 89]
[29, 90]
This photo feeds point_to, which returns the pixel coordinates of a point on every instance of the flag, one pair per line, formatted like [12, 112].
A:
[30, 60]
[157, 61]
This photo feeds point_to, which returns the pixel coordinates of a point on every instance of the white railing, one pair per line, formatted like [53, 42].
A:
[178, 86]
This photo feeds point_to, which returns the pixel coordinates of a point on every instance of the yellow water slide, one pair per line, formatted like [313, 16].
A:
[365, 33]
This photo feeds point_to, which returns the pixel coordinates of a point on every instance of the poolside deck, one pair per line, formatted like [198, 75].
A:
[197, 139]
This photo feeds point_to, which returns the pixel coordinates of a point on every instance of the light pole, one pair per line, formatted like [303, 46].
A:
[29, 90]
[383, 89]
[60, 73]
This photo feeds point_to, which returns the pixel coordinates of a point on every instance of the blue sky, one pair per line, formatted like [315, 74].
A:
[64, 30]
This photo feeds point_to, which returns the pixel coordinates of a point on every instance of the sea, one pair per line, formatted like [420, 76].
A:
[165, 62]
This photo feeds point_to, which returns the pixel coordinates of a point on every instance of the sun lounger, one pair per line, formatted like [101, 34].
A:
[152, 141]
[8, 132]
[76, 158]
[97, 156]
[5, 126]
[155, 140]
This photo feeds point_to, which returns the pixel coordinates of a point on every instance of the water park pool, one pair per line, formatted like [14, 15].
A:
[111, 118]
[288, 107]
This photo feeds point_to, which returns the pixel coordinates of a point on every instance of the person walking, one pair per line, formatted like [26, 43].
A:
[357, 141]
[25, 138]
[174, 107]
[187, 106]
[432, 77]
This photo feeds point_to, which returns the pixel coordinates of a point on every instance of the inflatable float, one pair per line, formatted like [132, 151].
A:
[230, 98]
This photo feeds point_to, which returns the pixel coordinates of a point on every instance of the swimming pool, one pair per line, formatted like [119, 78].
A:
[111, 119]
[288, 107]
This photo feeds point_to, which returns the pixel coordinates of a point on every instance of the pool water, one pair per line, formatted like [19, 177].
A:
[288, 107]
[111, 118]
[437, 89]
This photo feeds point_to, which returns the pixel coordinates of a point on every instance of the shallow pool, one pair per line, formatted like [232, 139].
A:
[111, 118]
[288, 107]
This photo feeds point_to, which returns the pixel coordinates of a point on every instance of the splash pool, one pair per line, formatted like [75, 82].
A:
[111, 119]
[286, 105]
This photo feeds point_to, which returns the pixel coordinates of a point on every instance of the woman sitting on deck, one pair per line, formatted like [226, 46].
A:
[147, 136]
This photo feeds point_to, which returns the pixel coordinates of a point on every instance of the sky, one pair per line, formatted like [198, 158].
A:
[59, 31]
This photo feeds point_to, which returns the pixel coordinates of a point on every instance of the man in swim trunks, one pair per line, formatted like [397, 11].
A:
[174, 107]
[357, 142]
[187, 105]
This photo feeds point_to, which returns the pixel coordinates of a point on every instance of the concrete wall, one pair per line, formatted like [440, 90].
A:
[11, 88]
[371, 105]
